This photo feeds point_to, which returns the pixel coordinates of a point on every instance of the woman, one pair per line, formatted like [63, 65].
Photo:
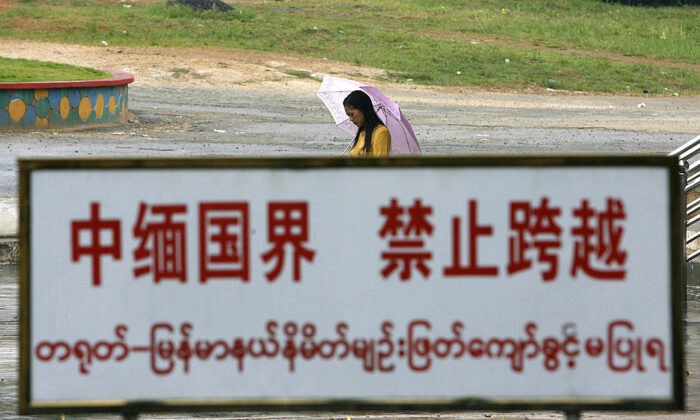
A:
[372, 138]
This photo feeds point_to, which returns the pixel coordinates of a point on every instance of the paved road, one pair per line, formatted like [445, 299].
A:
[214, 121]
[196, 120]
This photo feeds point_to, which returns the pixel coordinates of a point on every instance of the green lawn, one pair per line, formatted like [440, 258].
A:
[38, 71]
[577, 45]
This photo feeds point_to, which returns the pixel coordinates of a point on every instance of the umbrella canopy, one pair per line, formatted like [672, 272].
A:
[333, 91]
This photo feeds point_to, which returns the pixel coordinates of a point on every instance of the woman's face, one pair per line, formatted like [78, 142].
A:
[355, 115]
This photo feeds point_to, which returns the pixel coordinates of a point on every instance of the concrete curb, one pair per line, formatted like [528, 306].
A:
[42, 105]
[9, 222]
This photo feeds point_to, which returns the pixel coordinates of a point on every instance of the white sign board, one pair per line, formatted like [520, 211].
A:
[323, 283]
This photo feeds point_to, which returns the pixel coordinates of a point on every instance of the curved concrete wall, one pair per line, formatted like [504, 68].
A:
[40, 105]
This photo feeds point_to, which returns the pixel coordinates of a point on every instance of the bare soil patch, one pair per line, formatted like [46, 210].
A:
[212, 67]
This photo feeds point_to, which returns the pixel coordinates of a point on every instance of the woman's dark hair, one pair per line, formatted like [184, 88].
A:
[360, 101]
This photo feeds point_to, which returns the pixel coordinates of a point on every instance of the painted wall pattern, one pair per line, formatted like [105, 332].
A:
[39, 105]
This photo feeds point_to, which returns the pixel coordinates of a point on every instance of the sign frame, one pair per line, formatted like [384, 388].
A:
[129, 407]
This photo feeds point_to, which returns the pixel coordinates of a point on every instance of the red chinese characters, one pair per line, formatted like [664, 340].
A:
[161, 243]
[598, 250]
[224, 240]
[94, 248]
[224, 233]
[474, 231]
[533, 236]
[287, 223]
[405, 228]
[534, 228]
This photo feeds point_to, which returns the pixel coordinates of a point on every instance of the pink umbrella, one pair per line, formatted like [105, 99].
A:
[334, 89]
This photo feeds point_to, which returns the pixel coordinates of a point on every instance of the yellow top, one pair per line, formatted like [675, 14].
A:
[381, 144]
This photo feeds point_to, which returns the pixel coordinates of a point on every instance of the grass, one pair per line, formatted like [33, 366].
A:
[576, 45]
[39, 71]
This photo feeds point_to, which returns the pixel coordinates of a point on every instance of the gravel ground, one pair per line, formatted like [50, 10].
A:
[286, 119]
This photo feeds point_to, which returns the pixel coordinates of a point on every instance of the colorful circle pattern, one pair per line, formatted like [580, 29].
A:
[67, 106]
